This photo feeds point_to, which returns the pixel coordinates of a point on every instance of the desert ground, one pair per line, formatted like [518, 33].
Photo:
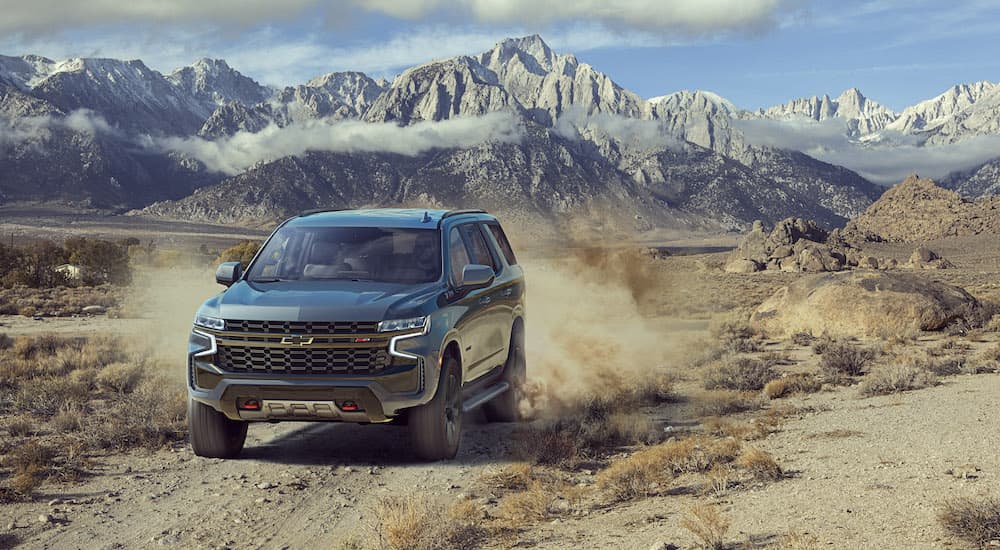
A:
[627, 350]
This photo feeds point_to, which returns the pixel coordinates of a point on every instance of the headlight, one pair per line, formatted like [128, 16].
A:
[209, 322]
[405, 324]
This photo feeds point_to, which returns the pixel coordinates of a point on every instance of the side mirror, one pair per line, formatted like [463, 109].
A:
[228, 273]
[476, 276]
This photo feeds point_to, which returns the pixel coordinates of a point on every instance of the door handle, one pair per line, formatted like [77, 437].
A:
[485, 300]
[507, 292]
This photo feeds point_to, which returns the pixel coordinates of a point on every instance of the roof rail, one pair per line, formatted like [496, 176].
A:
[451, 213]
[318, 211]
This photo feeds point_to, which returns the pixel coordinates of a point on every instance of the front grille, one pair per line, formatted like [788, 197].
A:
[303, 327]
[302, 347]
[303, 360]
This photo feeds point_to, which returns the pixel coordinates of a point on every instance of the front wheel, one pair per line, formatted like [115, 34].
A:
[506, 407]
[436, 427]
[213, 435]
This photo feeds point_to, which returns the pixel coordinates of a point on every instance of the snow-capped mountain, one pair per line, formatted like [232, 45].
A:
[587, 142]
[863, 116]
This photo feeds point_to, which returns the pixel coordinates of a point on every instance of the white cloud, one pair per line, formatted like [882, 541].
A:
[235, 154]
[39, 128]
[685, 16]
[631, 132]
[886, 163]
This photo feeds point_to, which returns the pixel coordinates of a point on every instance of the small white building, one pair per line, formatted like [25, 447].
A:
[71, 271]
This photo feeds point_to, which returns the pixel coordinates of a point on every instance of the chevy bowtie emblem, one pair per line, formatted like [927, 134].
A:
[297, 340]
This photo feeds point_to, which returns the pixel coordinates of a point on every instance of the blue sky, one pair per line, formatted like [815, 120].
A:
[754, 52]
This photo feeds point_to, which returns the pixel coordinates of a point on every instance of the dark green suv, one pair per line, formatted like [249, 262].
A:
[412, 316]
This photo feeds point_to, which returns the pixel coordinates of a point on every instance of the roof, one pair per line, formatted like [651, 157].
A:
[412, 218]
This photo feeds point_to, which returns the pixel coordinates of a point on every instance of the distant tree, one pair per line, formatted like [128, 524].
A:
[242, 252]
[101, 261]
[37, 266]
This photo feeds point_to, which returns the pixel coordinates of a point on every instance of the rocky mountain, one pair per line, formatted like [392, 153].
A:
[982, 181]
[918, 210]
[942, 119]
[682, 157]
[863, 116]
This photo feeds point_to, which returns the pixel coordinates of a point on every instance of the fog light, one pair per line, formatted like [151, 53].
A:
[249, 405]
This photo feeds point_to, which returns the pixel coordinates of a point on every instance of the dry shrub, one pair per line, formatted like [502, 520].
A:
[21, 426]
[896, 377]
[708, 525]
[149, 417]
[733, 334]
[5, 341]
[723, 402]
[120, 377]
[649, 469]
[67, 421]
[30, 464]
[792, 384]
[47, 396]
[740, 374]
[796, 541]
[27, 347]
[803, 339]
[512, 477]
[842, 360]
[760, 464]
[974, 520]
[414, 524]
[528, 506]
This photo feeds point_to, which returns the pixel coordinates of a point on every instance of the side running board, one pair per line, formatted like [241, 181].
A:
[483, 396]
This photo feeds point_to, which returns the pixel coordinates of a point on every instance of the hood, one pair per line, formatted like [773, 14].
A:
[321, 301]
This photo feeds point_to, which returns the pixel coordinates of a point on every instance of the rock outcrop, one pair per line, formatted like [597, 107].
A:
[917, 210]
[797, 245]
[863, 304]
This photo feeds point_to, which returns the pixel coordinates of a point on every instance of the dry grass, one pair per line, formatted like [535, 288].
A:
[78, 396]
[708, 525]
[796, 541]
[740, 374]
[60, 301]
[975, 520]
[416, 524]
[896, 377]
[732, 333]
[792, 384]
[803, 339]
[512, 477]
[725, 402]
[760, 465]
[649, 470]
[531, 505]
[841, 360]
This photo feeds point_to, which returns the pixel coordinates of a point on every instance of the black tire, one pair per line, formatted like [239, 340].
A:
[506, 407]
[212, 434]
[436, 427]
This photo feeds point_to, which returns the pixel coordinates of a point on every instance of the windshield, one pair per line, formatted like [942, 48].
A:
[381, 254]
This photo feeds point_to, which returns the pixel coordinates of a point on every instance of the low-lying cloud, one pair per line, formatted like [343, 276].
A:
[36, 128]
[886, 162]
[232, 155]
[631, 132]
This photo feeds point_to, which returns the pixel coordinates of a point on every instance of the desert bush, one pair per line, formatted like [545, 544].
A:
[792, 384]
[67, 421]
[120, 377]
[975, 520]
[896, 377]
[149, 417]
[21, 426]
[531, 505]
[841, 359]
[512, 477]
[740, 374]
[803, 338]
[47, 396]
[708, 525]
[733, 334]
[242, 252]
[760, 465]
[5, 341]
[565, 440]
[724, 402]
[414, 524]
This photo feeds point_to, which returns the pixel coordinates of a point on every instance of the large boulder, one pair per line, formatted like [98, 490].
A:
[863, 303]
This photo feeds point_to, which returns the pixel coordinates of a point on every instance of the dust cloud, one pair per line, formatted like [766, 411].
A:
[590, 329]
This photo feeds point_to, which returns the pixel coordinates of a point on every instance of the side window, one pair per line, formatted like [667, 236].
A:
[477, 245]
[459, 257]
[501, 238]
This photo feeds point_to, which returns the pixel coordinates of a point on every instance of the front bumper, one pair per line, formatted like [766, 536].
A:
[322, 397]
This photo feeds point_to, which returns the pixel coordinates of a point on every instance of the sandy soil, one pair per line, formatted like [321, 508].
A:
[863, 472]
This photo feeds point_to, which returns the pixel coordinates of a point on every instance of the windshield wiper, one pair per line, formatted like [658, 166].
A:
[271, 280]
